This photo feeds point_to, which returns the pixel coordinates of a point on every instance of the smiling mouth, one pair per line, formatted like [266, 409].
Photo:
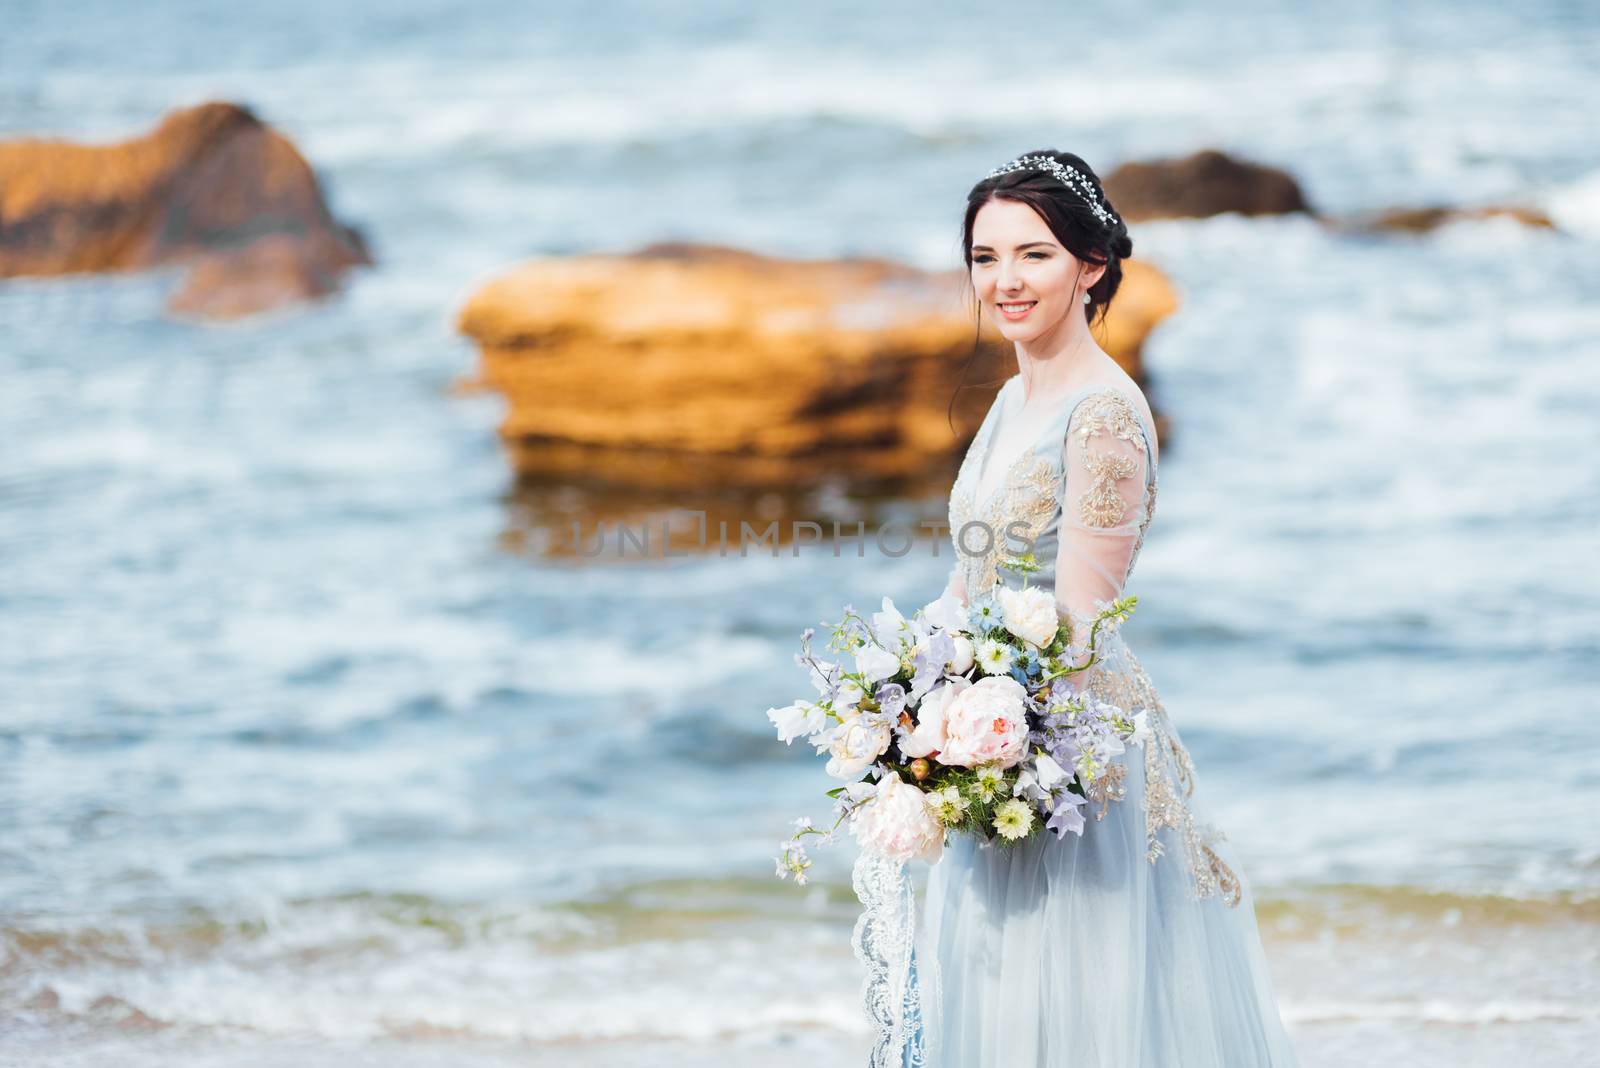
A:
[1015, 309]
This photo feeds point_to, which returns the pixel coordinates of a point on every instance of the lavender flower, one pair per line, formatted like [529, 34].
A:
[891, 697]
[1068, 814]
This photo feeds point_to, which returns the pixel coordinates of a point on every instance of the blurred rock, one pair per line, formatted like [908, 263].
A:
[1422, 220]
[1205, 183]
[211, 186]
[1211, 183]
[700, 367]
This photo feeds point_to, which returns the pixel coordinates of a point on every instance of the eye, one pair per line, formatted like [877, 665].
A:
[982, 259]
[1041, 255]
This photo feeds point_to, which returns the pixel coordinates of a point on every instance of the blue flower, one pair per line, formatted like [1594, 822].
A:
[984, 615]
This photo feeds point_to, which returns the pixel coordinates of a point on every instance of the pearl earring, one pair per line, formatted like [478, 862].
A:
[1086, 298]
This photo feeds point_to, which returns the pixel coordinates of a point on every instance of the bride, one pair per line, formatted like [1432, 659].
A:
[1134, 943]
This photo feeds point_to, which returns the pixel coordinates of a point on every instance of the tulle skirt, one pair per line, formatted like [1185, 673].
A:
[1079, 952]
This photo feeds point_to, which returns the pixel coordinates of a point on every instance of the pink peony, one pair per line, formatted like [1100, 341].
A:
[897, 822]
[987, 723]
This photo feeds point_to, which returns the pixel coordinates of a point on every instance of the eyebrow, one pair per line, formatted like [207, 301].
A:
[1019, 248]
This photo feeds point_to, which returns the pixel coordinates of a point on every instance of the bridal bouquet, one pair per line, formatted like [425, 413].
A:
[958, 719]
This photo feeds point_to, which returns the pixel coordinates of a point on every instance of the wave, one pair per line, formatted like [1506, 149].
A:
[1353, 907]
[1435, 1011]
[665, 910]
[691, 959]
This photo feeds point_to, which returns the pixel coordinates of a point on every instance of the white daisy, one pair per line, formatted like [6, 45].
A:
[995, 657]
[948, 805]
[1014, 819]
[990, 781]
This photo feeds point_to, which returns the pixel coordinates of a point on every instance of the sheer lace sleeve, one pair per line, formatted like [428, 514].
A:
[1102, 499]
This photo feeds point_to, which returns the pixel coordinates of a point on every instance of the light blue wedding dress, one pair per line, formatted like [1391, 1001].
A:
[1134, 944]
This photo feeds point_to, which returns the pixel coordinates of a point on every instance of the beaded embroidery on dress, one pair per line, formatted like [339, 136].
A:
[1136, 942]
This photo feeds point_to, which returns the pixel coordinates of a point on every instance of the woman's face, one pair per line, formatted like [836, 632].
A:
[1025, 280]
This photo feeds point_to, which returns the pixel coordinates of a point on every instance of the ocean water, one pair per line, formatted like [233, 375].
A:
[303, 761]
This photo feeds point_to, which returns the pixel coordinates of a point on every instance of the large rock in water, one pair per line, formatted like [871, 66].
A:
[1204, 183]
[1212, 183]
[1421, 220]
[691, 366]
[211, 186]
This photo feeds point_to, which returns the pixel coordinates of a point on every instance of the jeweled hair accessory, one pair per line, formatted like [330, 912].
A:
[1070, 177]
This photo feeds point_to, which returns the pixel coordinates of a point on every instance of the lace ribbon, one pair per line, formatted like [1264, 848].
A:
[883, 942]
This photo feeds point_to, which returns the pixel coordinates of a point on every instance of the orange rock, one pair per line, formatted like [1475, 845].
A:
[700, 366]
[211, 185]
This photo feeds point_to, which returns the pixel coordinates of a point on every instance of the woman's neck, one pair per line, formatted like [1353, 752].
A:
[1053, 369]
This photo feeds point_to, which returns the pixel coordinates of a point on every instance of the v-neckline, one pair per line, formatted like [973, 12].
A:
[986, 452]
[981, 500]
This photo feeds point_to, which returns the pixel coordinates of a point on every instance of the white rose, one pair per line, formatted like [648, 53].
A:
[899, 823]
[1030, 614]
[855, 745]
[928, 737]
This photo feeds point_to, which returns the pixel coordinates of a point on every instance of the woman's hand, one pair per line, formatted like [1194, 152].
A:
[957, 587]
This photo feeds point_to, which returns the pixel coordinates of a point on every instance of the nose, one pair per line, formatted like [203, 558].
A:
[1008, 281]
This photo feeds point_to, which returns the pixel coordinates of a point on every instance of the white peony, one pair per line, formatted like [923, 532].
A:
[856, 743]
[928, 737]
[858, 792]
[1030, 614]
[802, 717]
[986, 723]
[899, 823]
